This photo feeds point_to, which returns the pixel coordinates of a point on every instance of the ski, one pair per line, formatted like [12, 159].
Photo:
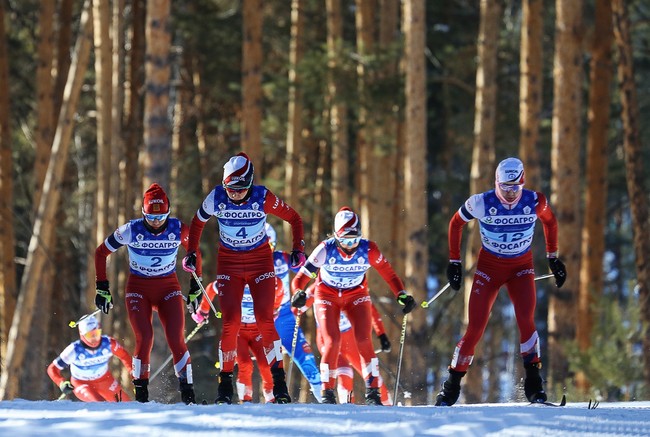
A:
[551, 404]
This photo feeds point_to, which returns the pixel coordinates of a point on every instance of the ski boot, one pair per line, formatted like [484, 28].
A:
[328, 396]
[533, 383]
[280, 390]
[141, 389]
[450, 389]
[373, 397]
[225, 389]
[187, 391]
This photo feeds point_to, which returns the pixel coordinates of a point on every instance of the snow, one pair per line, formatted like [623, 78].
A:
[66, 418]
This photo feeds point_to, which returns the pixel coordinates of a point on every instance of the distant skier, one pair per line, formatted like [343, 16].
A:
[339, 265]
[88, 358]
[506, 218]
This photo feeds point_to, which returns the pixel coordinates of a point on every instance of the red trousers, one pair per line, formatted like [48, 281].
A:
[234, 270]
[250, 340]
[104, 388]
[143, 297]
[328, 304]
[492, 272]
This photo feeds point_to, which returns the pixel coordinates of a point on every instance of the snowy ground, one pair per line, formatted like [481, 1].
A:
[66, 418]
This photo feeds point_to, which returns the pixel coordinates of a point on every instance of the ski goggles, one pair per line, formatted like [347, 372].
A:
[93, 335]
[154, 217]
[349, 242]
[514, 188]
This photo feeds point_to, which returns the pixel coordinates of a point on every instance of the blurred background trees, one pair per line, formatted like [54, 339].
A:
[363, 103]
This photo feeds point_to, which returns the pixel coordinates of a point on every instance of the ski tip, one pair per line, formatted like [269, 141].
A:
[563, 401]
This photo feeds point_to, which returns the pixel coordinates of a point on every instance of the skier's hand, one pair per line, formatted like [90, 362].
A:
[189, 262]
[299, 299]
[194, 297]
[66, 387]
[558, 269]
[200, 317]
[103, 297]
[407, 301]
[385, 343]
[454, 274]
[297, 259]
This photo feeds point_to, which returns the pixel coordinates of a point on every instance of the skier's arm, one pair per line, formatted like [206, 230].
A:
[185, 242]
[122, 354]
[277, 207]
[546, 216]
[385, 270]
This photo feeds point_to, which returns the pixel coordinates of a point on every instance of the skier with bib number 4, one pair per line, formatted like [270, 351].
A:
[244, 257]
[506, 216]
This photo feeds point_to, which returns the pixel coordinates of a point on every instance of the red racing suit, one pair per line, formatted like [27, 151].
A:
[504, 259]
[152, 285]
[341, 285]
[89, 373]
[245, 257]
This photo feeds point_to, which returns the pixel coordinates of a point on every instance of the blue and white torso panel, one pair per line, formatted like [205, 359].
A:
[342, 272]
[86, 364]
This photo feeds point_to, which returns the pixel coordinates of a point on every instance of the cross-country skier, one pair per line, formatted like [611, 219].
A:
[506, 218]
[88, 358]
[152, 285]
[244, 257]
[339, 265]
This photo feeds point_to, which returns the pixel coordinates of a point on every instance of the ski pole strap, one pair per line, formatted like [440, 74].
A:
[217, 314]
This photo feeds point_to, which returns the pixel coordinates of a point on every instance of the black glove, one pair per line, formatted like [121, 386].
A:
[558, 269]
[408, 302]
[103, 297]
[385, 343]
[66, 387]
[299, 299]
[189, 262]
[454, 274]
[297, 258]
[194, 297]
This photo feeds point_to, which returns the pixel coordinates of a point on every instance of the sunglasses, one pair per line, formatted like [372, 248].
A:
[95, 334]
[236, 190]
[349, 242]
[153, 217]
[511, 188]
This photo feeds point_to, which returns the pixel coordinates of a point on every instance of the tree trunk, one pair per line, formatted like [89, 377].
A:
[530, 89]
[251, 129]
[157, 129]
[8, 290]
[338, 117]
[593, 228]
[634, 169]
[45, 224]
[565, 182]
[482, 178]
[415, 189]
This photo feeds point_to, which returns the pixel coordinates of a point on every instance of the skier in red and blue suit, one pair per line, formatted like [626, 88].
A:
[244, 257]
[339, 265]
[507, 216]
[152, 285]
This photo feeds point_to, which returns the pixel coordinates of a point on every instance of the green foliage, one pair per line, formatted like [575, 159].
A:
[613, 364]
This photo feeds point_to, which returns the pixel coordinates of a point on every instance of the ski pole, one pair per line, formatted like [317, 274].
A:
[430, 301]
[169, 358]
[401, 354]
[62, 397]
[217, 314]
[294, 342]
[550, 275]
[73, 324]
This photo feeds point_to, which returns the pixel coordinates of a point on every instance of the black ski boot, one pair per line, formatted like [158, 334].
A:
[225, 390]
[141, 389]
[373, 397]
[533, 383]
[280, 390]
[187, 391]
[329, 397]
[450, 389]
